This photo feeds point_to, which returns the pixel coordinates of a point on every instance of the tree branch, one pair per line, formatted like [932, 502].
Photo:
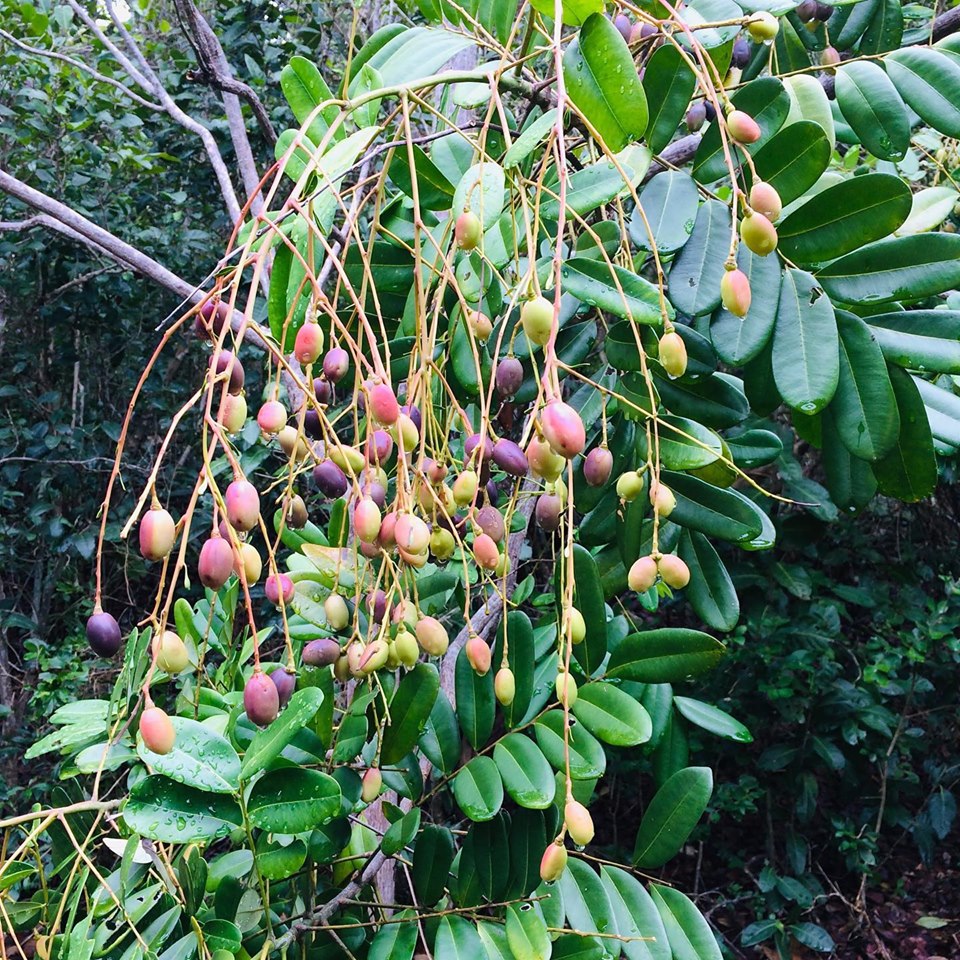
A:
[946, 24]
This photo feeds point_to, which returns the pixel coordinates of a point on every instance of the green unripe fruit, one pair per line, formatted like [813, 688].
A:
[553, 862]
[234, 414]
[764, 199]
[566, 688]
[465, 488]
[338, 614]
[642, 575]
[374, 657]
[468, 230]
[578, 626]
[629, 486]
[579, 822]
[673, 354]
[171, 653]
[735, 292]
[759, 234]
[505, 686]
[543, 461]
[763, 26]
[406, 648]
[536, 317]
[742, 127]
[662, 499]
[442, 544]
[674, 571]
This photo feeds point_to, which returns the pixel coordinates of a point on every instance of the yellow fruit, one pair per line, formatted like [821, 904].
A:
[505, 686]
[642, 575]
[566, 688]
[673, 354]
[763, 26]
[579, 822]
[662, 499]
[759, 234]
[629, 486]
[735, 292]
[674, 571]
[536, 317]
[171, 653]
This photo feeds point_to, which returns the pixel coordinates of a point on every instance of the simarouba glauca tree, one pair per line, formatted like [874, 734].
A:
[537, 337]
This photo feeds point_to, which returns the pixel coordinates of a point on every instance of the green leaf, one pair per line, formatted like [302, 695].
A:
[664, 656]
[864, 408]
[612, 715]
[521, 658]
[669, 202]
[668, 83]
[688, 934]
[909, 471]
[409, 709]
[599, 183]
[293, 800]
[414, 54]
[585, 901]
[527, 932]
[904, 268]
[440, 740]
[712, 510]
[277, 861]
[693, 446]
[457, 939]
[588, 599]
[930, 207]
[528, 838]
[716, 400]
[738, 340]
[697, 269]
[478, 789]
[636, 915]
[432, 858]
[845, 217]
[587, 758]
[873, 108]
[809, 102]
[200, 758]
[525, 772]
[793, 159]
[711, 592]
[164, 810]
[570, 946]
[476, 703]
[14, 871]
[396, 940]
[486, 854]
[434, 190]
[482, 189]
[534, 132]
[849, 479]
[806, 360]
[672, 815]
[602, 83]
[611, 288]
[885, 30]
[268, 743]
[920, 339]
[400, 834]
[930, 83]
[712, 719]
[305, 89]
[573, 12]
[767, 101]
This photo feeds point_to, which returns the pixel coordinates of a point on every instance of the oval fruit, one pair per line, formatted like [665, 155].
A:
[735, 292]
[321, 652]
[337, 611]
[536, 317]
[598, 466]
[662, 499]
[629, 486]
[759, 234]
[479, 655]
[742, 127]
[285, 682]
[383, 404]
[563, 429]
[272, 417]
[674, 571]
[553, 862]
[335, 364]
[371, 785]
[156, 730]
[642, 574]
[170, 652]
[509, 376]
[468, 230]
[432, 636]
[764, 199]
[157, 534]
[277, 587]
[216, 562]
[103, 633]
[261, 702]
[242, 505]
[673, 354]
[579, 822]
[505, 686]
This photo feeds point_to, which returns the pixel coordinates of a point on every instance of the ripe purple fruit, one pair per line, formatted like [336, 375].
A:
[508, 456]
[225, 364]
[157, 534]
[261, 701]
[548, 511]
[379, 447]
[622, 23]
[490, 521]
[598, 466]
[103, 633]
[377, 606]
[156, 730]
[696, 116]
[330, 479]
[563, 429]
[242, 505]
[279, 586]
[309, 343]
[321, 653]
[468, 230]
[741, 53]
[470, 445]
[216, 562]
[285, 682]
[509, 376]
[335, 364]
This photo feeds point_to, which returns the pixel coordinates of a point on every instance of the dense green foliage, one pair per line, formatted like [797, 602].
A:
[547, 630]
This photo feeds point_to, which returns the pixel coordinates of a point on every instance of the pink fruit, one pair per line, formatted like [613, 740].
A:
[662, 499]
[764, 199]
[279, 586]
[216, 562]
[103, 633]
[598, 466]
[387, 536]
[309, 343]
[322, 390]
[157, 731]
[383, 404]
[478, 654]
[366, 520]
[579, 822]
[742, 127]
[563, 429]
[735, 292]
[474, 450]
[468, 230]
[509, 376]
[675, 572]
[508, 456]
[261, 701]
[272, 417]
[485, 552]
[411, 533]
[242, 504]
[553, 862]
[226, 365]
[285, 682]
[371, 785]
[335, 364]
[432, 636]
[157, 534]
[642, 575]
[490, 521]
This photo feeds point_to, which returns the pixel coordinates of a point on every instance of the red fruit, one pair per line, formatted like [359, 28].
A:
[156, 730]
[735, 292]
[485, 552]
[579, 822]
[212, 316]
[490, 521]
[321, 653]
[335, 364]
[309, 343]
[553, 862]
[227, 365]
[278, 586]
[366, 520]
[548, 510]
[103, 634]
[468, 230]
[675, 572]
[479, 655]
[759, 234]
[642, 575]
[216, 562]
[509, 376]
[272, 417]
[563, 429]
[285, 682]
[536, 317]
[242, 505]
[383, 404]
[261, 701]
[387, 536]
[764, 199]
[598, 466]
[673, 354]
[411, 533]
[742, 127]
[508, 456]
[157, 534]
